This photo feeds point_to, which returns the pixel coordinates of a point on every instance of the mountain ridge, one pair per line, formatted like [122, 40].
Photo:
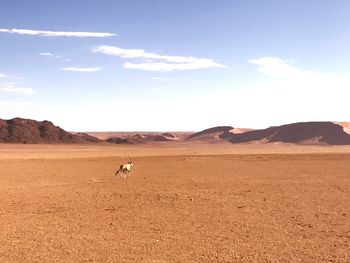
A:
[19, 130]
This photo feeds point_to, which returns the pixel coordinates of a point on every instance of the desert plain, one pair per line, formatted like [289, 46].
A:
[182, 203]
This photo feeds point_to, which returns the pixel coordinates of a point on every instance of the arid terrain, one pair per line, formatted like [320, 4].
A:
[19, 130]
[182, 203]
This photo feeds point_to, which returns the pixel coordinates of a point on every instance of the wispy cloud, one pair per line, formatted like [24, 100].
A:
[46, 33]
[15, 88]
[48, 54]
[2, 75]
[51, 55]
[274, 66]
[283, 71]
[164, 62]
[294, 93]
[76, 69]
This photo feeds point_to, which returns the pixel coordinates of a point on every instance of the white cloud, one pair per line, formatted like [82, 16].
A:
[274, 66]
[297, 77]
[166, 67]
[51, 55]
[2, 75]
[75, 69]
[276, 100]
[167, 63]
[55, 33]
[15, 88]
[291, 94]
[48, 54]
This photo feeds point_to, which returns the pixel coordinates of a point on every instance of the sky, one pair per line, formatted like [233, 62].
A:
[184, 65]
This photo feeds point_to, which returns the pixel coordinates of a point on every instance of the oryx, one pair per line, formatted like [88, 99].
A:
[125, 169]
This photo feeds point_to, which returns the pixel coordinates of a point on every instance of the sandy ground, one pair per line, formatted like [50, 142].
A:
[181, 204]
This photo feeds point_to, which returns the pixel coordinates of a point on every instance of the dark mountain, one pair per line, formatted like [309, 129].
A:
[20, 130]
[327, 133]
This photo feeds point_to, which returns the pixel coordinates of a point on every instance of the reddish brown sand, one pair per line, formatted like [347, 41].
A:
[197, 204]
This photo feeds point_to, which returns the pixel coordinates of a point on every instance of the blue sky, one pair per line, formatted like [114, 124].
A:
[174, 65]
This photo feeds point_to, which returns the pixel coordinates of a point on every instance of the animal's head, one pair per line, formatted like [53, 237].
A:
[129, 160]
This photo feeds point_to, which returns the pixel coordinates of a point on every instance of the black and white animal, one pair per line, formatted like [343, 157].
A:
[125, 169]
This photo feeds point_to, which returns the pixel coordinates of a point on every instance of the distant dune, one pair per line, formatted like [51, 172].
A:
[168, 135]
[117, 140]
[144, 138]
[345, 125]
[326, 133]
[140, 137]
[124, 135]
[20, 130]
[307, 133]
[240, 130]
[215, 134]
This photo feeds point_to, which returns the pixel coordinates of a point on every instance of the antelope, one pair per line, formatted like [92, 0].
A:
[125, 169]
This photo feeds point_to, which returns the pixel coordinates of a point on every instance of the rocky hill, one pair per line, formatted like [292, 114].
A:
[20, 130]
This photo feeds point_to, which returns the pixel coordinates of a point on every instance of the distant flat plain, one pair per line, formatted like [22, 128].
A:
[184, 202]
